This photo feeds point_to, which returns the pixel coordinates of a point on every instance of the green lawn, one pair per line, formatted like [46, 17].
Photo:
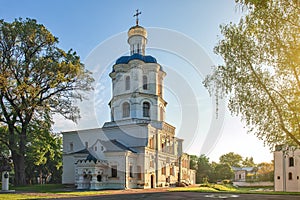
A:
[53, 188]
[46, 191]
[230, 189]
[59, 191]
[37, 195]
[206, 188]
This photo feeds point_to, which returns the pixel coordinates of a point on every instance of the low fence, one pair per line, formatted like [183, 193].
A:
[253, 184]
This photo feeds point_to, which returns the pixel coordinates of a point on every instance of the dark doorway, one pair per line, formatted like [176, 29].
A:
[152, 181]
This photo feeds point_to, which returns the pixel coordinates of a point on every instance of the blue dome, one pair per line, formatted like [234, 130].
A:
[126, 59]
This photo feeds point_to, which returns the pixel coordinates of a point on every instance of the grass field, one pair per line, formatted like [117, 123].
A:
[230, 189]
[46, 191]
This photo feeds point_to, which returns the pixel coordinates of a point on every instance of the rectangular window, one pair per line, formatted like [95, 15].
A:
[130, 171]
[151, 143]
[139, 172]
[86, 145]
[163, 171]
[114, 171]
[172, 171]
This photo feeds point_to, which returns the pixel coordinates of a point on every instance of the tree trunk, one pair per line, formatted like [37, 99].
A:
[18, 153]
[19, 167]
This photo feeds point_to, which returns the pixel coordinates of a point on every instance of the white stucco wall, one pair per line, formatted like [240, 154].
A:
[137, 95]
[282, 169]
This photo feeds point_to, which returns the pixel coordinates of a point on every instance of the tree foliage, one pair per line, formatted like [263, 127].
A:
[193, 162]
[248, 162]
[37, 79]
[265, 171]
[261, 71]
[223, 171]
[44, 156]
[214, 172]
[204, 169]
[232, 159]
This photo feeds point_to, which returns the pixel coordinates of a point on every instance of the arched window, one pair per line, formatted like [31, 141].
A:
[291, 162]
[99, 178]
[145, 83]
[126, 109]
[127, 83]
[146, 109]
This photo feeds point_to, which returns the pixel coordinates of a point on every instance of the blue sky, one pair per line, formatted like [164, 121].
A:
[85, 25]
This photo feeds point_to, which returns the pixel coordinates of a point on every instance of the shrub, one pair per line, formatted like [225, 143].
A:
[226, 182]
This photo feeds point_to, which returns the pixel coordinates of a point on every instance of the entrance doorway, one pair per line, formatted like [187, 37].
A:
[152, 181]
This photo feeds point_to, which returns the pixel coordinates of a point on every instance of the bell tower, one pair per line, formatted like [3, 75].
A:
[137, 82]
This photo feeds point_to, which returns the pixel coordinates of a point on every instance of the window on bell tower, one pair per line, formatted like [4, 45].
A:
[126, 109]
[146, 109]
[127, 83]
[145, 83]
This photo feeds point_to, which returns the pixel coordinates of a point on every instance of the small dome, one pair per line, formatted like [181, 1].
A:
[137, 30]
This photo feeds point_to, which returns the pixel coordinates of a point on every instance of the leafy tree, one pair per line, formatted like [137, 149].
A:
[261, 71]
[193, 162]
[37, 79]
[248, 162]
[232, 159]
[204, 169]
[44, 156]
[265, 171]
[223, 171]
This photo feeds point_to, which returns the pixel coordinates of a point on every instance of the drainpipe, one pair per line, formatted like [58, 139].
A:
[156, 157]
[125, 168]
[180, 168]
[284, 170]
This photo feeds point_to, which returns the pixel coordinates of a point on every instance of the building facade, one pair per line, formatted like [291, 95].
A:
[137, 148]
[287, 169]
[240, 173]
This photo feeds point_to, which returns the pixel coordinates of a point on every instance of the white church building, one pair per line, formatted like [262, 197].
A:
[287, 168]
[137, 148]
